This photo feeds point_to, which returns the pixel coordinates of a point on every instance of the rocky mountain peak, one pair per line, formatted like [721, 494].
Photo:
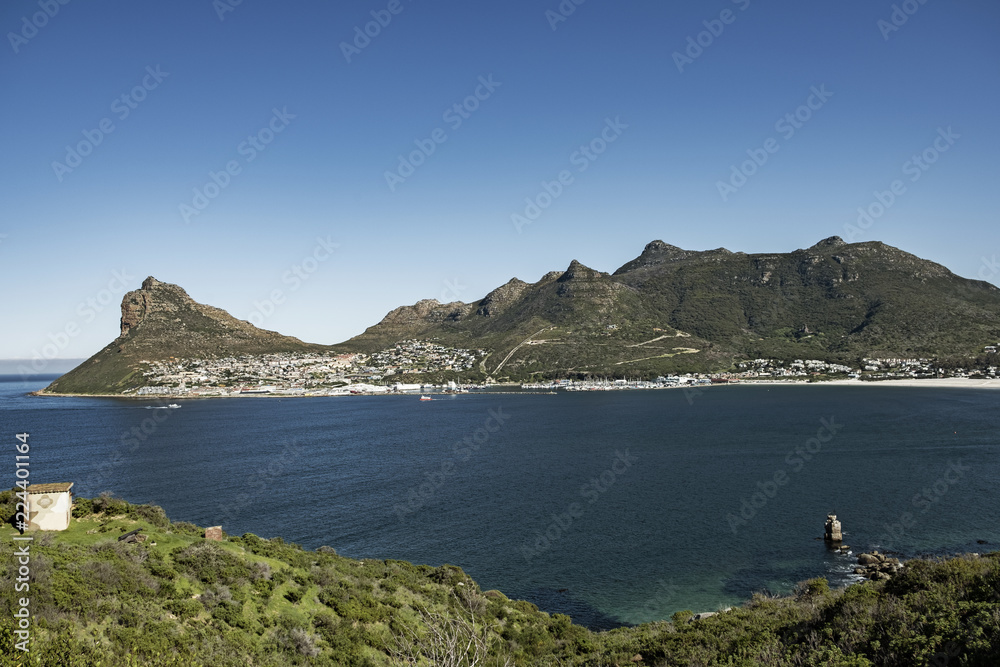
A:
[153, 296]
[655, 253]
[497, 301]
[578, 271]
[831, 242]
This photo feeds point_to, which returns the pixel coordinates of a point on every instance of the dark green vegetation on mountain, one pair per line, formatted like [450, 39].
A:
[677, 310]
[178, 599]
[161, 321]
[667, 311]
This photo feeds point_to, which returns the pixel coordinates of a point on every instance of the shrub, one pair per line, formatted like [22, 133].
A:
[681, 617]
[107, 504]
[154, 514]
[82, 507]
[185, 528]
[230, 613]
[299, 641]
[295, 594]
[210, 563]
[813, 588]
[215, 595]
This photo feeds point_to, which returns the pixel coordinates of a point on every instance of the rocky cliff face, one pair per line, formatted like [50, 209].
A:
[501, 298]
[159, 321]
[136, 305]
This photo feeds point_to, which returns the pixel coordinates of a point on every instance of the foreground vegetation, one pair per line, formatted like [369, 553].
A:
[178, 599]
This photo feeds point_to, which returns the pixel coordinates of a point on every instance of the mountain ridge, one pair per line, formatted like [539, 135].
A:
[832, 301]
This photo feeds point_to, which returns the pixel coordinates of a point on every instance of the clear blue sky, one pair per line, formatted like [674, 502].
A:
[446, 230]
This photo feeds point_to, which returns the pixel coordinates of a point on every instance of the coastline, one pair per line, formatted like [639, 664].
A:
[934, 383]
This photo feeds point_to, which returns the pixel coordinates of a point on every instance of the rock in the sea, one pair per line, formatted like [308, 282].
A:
[833, 532]
[877, 566]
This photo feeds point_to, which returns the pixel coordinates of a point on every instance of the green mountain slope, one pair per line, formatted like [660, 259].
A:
[160, 321]
[841, 300]
[672, 309]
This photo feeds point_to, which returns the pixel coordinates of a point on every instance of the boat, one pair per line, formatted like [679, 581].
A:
[173, 405]
[426, 398]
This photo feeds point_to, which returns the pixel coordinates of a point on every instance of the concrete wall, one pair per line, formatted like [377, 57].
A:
[50, 511]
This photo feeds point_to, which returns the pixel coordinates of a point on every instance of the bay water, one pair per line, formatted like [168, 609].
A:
[613, 507]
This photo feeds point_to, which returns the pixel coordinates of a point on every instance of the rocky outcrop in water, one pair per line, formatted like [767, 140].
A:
[877, 567]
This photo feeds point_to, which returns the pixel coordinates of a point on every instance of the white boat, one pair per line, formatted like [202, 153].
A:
[426, 398]
[173, 405]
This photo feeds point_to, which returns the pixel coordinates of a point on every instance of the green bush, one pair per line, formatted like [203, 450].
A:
[210, 563]
[109, 505]
[154, 514]
[184, 609]
[82, 507]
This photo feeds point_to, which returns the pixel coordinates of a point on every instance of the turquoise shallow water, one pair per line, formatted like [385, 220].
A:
[613, 507]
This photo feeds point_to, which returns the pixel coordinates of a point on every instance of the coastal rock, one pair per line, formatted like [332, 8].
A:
[878, 567]
[832, 529]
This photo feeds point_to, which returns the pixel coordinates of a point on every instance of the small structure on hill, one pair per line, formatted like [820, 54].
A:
[132, 536]
[214, 533]
[50, 506]
[833, 532]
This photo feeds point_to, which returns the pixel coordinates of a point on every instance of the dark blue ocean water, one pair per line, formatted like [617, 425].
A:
[613, 507]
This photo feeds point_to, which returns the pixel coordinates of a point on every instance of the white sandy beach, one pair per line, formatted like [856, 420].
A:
[957, 383]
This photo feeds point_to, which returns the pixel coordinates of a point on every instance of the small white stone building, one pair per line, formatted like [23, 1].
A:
[50, 506]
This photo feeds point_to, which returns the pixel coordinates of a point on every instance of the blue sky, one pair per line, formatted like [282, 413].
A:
[201, 84]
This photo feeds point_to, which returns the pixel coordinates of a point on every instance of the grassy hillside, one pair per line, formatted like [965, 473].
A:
[177, 599]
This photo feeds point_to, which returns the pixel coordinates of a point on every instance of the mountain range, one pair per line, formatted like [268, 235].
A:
[668, 310]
